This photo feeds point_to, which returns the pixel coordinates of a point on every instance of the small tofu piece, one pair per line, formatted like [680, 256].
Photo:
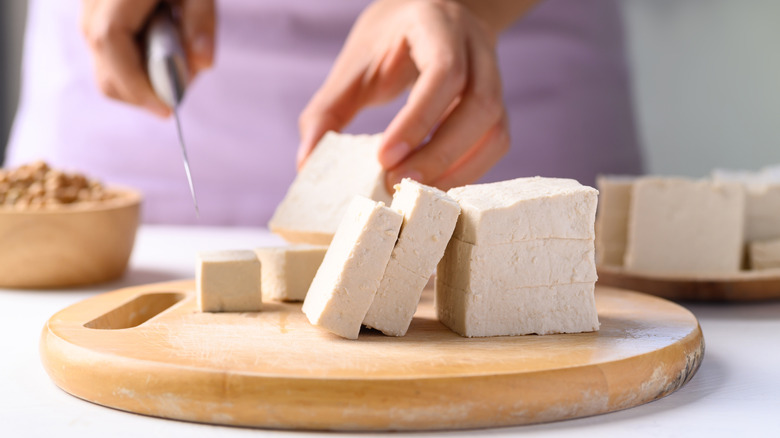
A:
[229, 281]
[396, 300]
[612, 218]
[762, 203]
[566, 308]
[542, 262]
[762, 212]
[682, 226]
[289, 270]
[429, 219]
[525, 209]
[765, 254]
[430, 216]
[346, 282]
[340, 167]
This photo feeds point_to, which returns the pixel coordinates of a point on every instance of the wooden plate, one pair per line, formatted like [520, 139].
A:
[744, 286]
[147, 350]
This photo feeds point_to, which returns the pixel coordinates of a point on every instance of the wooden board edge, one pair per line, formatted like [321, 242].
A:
[319, 404]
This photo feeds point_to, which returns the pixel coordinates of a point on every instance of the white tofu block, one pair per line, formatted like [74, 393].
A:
[340, 167]
[430, 216]
[747, 177]
[682, 226]
[228, 281]
[762, 212]
[765, 254]
[287, 271]
[612, 218]
[542, 262]
[762, 209]
[396, 300]
[429, 219]
[567, 308]
[525, 209]
[346, 282]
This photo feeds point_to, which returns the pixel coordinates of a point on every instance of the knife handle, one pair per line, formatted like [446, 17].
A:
[166, 61]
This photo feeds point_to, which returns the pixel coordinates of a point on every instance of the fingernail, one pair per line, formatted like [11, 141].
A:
[201, 44]
[304, 148]
[203, 48]
[395, 176]
[301, 156]
[395, 154]
[157, 107]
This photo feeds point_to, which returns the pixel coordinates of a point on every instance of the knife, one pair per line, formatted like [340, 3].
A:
[166, 64]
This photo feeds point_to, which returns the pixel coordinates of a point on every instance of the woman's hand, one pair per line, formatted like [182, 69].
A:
[112, 29]
[447, 54]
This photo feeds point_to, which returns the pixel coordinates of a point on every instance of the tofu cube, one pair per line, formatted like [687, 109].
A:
[340, 167]
[429, 219]
[612, 218]
[346, 282]
[525, 209]
[681, 226]
[521, 259]
[287, 271]
[762, 215]
[542, 262]
[568, 308]
[228, 281]
[762, 202]
[765, 254]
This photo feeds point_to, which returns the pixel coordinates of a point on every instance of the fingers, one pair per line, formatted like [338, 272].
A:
[438, 50]
[313, 124]
[198, 30]
[479, 159]
[110, 27]
[333, 105]
[479, 110]
[349, 87]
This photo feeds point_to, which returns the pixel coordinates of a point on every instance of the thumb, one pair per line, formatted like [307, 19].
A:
[199, 19]
[331, 109]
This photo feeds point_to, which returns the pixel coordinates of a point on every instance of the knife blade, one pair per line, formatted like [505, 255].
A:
[166, 65]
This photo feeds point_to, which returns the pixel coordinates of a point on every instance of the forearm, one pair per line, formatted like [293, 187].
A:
[499, 14]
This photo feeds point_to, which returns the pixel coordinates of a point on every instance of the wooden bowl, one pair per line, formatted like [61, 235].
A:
[72, 245]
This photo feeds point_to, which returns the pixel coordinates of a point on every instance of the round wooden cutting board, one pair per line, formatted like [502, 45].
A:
[148, 350]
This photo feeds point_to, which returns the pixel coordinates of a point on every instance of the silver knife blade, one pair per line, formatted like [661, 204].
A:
[186, 160]
[167, 68]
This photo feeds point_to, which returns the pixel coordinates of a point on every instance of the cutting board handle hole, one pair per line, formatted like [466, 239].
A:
[136, 311]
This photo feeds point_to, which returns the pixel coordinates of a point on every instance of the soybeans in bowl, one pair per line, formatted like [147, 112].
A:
[61, 229]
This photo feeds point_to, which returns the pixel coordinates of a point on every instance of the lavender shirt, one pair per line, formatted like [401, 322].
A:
[565, 85]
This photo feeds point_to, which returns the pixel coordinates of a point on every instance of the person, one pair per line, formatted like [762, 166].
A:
[454, 84]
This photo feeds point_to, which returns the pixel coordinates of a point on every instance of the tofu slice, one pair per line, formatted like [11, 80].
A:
[340, 167]
[541, 262]
[765, 254]
[525, 209]
[287, 271]
[681, 226]
[762, 203]
[228, 281]
[346, 282]
[612, 218]
[762, 212]
[566, 308]
[396, 300]
[429, 219]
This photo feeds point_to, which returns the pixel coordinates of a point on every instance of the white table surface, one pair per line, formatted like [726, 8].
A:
[736, 392]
